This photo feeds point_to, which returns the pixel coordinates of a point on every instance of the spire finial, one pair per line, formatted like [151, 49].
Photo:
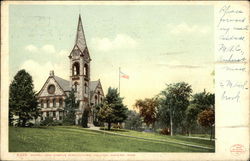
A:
[80, 37]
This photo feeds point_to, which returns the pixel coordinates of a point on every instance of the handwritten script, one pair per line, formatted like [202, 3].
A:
[232, 31]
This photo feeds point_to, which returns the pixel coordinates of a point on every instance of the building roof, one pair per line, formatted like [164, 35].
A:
[80, 37]
[63, 83]
[66, 84]
[93, 85]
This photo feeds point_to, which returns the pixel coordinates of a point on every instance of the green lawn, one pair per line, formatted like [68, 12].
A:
[76, 139]
[177, 139]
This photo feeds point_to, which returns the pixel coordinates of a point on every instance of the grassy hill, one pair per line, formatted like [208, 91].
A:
[77, 139]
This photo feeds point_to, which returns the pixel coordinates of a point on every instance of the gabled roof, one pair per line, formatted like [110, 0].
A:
[93, 85]
[64, 84]
[80, 37]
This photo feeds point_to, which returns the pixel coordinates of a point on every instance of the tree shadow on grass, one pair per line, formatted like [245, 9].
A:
[113, 129]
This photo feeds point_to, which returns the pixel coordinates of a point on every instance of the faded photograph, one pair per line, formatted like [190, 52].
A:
[111, 78]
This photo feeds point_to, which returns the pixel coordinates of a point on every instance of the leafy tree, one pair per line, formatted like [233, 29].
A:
[134, 121]
[106, 114]
[116, 111]
[148, 110]
[199, 103]
[95, 111]
[71, 104]
[206, 118]
[85, 116]
[175, 100]
[22, 99]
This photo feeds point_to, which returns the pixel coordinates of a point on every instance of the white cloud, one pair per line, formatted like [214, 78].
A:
[40, 72]
[31, 48]
[63, 53]
[121, 41]
[184, 28]
[48, 48]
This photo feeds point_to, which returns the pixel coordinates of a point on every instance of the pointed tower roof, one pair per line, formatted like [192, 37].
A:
[80, 37]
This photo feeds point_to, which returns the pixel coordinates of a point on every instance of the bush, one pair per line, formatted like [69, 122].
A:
[165, 131]
[117, 126]
[29, 124]
[47, 122]
[50, 122]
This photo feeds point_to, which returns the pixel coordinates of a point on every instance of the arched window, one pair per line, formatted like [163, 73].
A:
[54, 102]
[76, 69]
[98, 96]
[75, 86]
[95, 99]
[47, 102]
[85, 70]
[60, 102]
[85, 88]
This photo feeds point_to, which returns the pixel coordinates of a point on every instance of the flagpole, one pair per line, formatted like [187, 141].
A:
[119, 78]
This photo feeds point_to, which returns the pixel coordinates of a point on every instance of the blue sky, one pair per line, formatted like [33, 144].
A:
[153, 44]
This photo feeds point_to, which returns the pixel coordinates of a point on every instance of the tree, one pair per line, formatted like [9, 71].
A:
[71, 104]
[95, 111]
[175, 100]
[206, 118]
[22, 99]
[199, 103]
[106, 114]
[117, 112]
[134, 121]
[85, 117]
[148, 110]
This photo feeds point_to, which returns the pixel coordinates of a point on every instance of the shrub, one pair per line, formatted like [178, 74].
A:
[47, 122]
[50, 122]
[165, 131]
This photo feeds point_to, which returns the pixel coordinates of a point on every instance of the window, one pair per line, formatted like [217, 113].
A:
[47, 104]
[85, 88]
[76, 69]
[60, 115]
[101, 99]
[54, 113]
[85, 70]
[60, 102]
[42, 118]
[98, 96]
[54, 102]
[95, 99]
[51, 89]
[75, 86]
[47, 114]
[41, 103]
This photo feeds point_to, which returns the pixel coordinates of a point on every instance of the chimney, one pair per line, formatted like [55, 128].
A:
[51, 73]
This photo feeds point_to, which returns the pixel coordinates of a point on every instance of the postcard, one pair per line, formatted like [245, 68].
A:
[128, 80]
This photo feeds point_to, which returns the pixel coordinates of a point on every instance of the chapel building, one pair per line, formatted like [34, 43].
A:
[55, 90]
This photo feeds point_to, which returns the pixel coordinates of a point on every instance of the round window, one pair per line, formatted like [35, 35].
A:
[51, 89]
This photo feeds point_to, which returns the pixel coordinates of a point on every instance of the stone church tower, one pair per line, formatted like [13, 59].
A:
[80, 70]
[56, 89]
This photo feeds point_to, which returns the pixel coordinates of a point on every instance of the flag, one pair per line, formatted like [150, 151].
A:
[124, 75]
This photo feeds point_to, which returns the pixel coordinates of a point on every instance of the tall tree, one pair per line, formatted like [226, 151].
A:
[85, 116]
[117, 111]
[200, 102]
[71, 104]
[206, 118]
[134, 121]
[22, 99]
[175, 101]
[148, 110]
[106, 114]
